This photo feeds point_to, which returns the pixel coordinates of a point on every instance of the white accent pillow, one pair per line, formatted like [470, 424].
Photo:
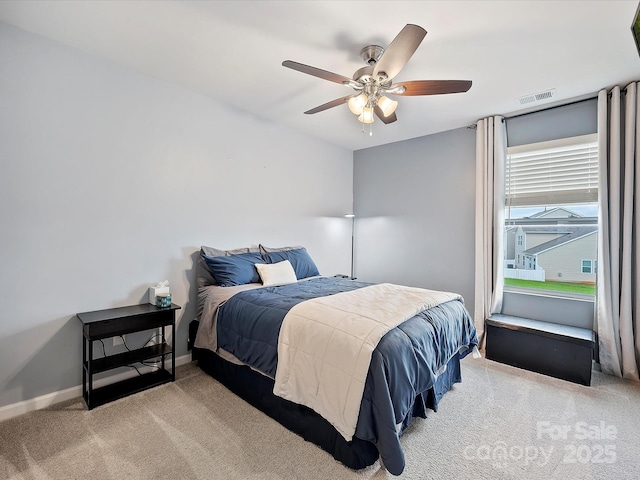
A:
[276, 273]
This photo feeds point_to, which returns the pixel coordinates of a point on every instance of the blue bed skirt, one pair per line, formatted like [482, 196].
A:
[257, 389]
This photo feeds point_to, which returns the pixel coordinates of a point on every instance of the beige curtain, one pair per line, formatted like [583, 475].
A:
[617, 298]
[491, 154]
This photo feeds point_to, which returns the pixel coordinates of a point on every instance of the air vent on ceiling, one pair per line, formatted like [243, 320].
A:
[537, 97]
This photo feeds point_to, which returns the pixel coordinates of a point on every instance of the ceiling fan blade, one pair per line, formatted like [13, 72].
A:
[400, 50]
[316, 72]
[328, 105]
[390, 119]
[432, 87]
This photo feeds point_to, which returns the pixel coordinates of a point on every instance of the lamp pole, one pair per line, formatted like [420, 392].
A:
[353, 224]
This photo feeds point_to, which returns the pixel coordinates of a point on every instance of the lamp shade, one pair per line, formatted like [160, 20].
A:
[357, 103]
[387, 105]
[367, 115]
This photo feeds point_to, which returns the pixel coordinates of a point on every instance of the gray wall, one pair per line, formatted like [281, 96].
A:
[110, 180]
[415, 200]
[567, 311]
[415, 206]
[580, 118]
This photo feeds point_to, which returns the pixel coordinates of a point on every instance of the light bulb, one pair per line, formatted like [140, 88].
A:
[387, 105]
[367, 115]
[357, 103]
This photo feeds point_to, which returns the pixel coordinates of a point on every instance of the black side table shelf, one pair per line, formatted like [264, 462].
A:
[120, 321]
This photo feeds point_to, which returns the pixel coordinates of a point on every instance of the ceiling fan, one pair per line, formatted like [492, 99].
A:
[374, 82]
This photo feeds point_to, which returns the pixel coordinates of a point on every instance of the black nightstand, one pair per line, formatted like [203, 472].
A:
[120, 321]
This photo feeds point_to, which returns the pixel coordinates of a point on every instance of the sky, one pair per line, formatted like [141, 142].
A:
[586, 210]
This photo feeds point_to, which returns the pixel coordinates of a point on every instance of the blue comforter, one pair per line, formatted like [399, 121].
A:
[405, 364]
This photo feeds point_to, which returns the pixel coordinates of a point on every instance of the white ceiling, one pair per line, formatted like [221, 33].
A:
[233, 51]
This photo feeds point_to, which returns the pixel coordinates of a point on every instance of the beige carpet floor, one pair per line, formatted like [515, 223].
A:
[500, 423]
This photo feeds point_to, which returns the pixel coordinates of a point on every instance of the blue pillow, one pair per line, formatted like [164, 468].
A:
[234, 269]
[300, 261]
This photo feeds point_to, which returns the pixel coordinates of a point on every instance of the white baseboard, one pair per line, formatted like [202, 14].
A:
[44, 401]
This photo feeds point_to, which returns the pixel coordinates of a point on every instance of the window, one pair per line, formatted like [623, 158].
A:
[551, 193]
[561, 171]
[589, 266]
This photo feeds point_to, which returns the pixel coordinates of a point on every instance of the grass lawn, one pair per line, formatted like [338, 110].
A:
[583, 288]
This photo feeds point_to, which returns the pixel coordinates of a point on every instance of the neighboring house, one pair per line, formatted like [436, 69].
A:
[557, 212]
[529, 236]
[561, 243]
[509, 246]
[571, 257]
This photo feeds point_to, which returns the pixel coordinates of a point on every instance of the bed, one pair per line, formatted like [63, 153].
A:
[312, 353]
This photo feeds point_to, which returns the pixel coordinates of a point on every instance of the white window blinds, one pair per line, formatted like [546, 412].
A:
[555, 172]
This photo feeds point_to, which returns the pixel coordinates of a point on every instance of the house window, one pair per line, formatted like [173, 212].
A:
[551, 193]
[589, 266]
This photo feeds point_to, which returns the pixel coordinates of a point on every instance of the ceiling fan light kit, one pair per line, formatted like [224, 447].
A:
[357, 103]
[387, 105]
[374, 82]
[367, 115]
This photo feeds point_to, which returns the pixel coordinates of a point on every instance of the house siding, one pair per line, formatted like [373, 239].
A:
[562, 266]
[530, 240]
[534, 239]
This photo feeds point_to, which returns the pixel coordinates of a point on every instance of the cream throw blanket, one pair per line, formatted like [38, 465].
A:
[326, 343]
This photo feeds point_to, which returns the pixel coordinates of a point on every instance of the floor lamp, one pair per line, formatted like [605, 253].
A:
[353, 224]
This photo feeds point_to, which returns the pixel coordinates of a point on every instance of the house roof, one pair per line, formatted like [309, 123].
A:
[546, 213]
[570, 233]
[232, 51]
[552, 222]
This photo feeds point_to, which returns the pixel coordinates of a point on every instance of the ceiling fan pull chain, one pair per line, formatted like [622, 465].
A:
[370, 129]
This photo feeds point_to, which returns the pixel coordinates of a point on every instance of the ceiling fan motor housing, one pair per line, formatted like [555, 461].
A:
[371, 54]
